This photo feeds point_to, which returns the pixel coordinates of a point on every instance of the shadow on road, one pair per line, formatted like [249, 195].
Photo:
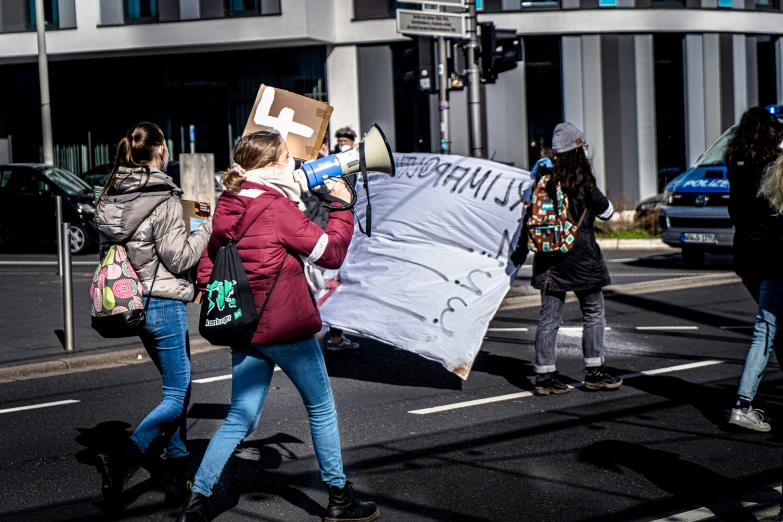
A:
[712, 262]
[380, 363]
[687, 482]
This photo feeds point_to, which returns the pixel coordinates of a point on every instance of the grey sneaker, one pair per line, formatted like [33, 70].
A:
[752, 420]
[344, 344]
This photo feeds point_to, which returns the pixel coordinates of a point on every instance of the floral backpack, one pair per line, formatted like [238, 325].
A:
[116, 296]
[549, 229]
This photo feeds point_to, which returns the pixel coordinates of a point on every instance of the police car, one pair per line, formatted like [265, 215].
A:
[694, 209]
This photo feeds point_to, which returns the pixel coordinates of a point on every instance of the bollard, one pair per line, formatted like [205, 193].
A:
[58, 204]
[65, 248]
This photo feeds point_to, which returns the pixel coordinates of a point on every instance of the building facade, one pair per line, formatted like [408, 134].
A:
[653, 83]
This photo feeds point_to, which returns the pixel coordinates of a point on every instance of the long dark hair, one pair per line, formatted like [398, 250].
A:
[756, 139]
[136, 151]
[571, 169]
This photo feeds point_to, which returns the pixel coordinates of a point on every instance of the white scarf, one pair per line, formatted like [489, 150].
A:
[280, 181]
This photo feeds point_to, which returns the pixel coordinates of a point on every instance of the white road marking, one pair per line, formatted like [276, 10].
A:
[507, 329]
[644, 328]
[705, 513]
[220, 378]
[626, 260]
[46, 263]
[520, 395]
[577, 329]
[36, 406]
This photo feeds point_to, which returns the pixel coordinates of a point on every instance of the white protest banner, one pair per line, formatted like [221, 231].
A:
[437, 266]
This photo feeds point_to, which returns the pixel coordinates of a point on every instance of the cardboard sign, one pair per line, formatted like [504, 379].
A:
[301, 121]
[196, 212]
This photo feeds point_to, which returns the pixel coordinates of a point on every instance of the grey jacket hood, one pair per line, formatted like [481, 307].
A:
[131, 201]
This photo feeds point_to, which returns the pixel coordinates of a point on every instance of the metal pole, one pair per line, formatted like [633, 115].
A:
[43, 74]
[90, 159]
[10, 149]
[65, 246]
[475, 112]
[58, 204]
[192, 139]
[182, 139]
[230, 146]
[443, 83]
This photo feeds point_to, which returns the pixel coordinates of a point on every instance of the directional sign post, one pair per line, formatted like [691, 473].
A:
[430, 23]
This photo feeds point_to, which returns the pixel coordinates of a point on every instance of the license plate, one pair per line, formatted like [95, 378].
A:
[698, 238]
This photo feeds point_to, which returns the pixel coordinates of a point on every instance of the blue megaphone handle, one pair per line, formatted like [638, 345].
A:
[320, 170]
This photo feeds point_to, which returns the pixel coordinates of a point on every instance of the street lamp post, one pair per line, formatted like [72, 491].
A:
[43, 73]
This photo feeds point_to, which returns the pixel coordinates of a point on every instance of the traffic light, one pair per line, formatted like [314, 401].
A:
[420, 59]
[501, 49]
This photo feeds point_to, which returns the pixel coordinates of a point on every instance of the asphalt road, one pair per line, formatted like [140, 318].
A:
[658, 447]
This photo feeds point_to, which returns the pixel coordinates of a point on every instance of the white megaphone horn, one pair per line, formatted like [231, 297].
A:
[373, 149]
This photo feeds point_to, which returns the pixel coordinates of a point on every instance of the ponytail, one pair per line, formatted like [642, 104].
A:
[232, 181]
[135, 151]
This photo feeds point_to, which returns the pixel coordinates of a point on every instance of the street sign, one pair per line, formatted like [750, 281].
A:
[451, 3]
[452, 25]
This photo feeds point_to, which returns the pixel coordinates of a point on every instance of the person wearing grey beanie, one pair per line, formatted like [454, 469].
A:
[581, 270]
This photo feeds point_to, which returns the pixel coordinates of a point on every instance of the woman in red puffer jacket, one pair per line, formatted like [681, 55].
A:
[261, 180]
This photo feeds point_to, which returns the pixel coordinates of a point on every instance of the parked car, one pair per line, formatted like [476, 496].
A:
[695, 206]
[27, 205]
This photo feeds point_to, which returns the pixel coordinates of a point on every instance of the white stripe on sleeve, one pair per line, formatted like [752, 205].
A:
[319, 249]
[607, 213]
[250, 193]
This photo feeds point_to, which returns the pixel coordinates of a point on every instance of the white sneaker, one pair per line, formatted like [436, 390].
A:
[344, 344]
[752, 419]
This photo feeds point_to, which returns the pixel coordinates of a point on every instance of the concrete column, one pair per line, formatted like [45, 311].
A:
[713, 127]
[645, 116]
[751, 57]
[695, 131]
[376, 90]
[342, 80]
[740, 75]
[507, 119]
[189, 10]
[593, 103]
[571, 60]
[779, 63]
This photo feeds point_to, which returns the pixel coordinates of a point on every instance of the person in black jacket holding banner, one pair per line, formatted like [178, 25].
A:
[582, 270]
[758, 243]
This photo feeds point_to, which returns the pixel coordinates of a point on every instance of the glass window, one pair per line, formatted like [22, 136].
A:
[767, 4]
[67, 181]
[243, 7]
[716, 155]
[607, 3]
[540, 3]
[725, 3]
[51, 13]
[4, 176]
[141, 10]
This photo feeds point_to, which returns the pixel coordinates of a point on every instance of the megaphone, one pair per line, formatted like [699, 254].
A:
[373, 150]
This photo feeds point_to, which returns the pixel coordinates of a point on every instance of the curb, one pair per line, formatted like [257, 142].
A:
[82, 363]
[633, 244]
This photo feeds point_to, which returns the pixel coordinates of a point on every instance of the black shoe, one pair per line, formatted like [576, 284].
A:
[180, 481]
[197, 509]
[598, 379]
[547, 383]
[344, 507]
[116, 468]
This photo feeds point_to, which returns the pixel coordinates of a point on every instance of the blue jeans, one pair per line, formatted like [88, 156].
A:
[251, 370]
[769, 296]
[165, 338]
[593, 326]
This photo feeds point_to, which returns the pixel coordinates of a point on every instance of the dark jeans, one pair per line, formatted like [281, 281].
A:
[166, 340]
[594, 323]
[769, 297]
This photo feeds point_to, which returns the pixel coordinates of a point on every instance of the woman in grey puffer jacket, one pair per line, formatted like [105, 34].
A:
[141, 209]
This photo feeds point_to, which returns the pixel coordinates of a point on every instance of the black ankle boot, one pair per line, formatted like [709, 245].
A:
[116, 467]
[343, 506]
[179, 482]
[197, 509]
